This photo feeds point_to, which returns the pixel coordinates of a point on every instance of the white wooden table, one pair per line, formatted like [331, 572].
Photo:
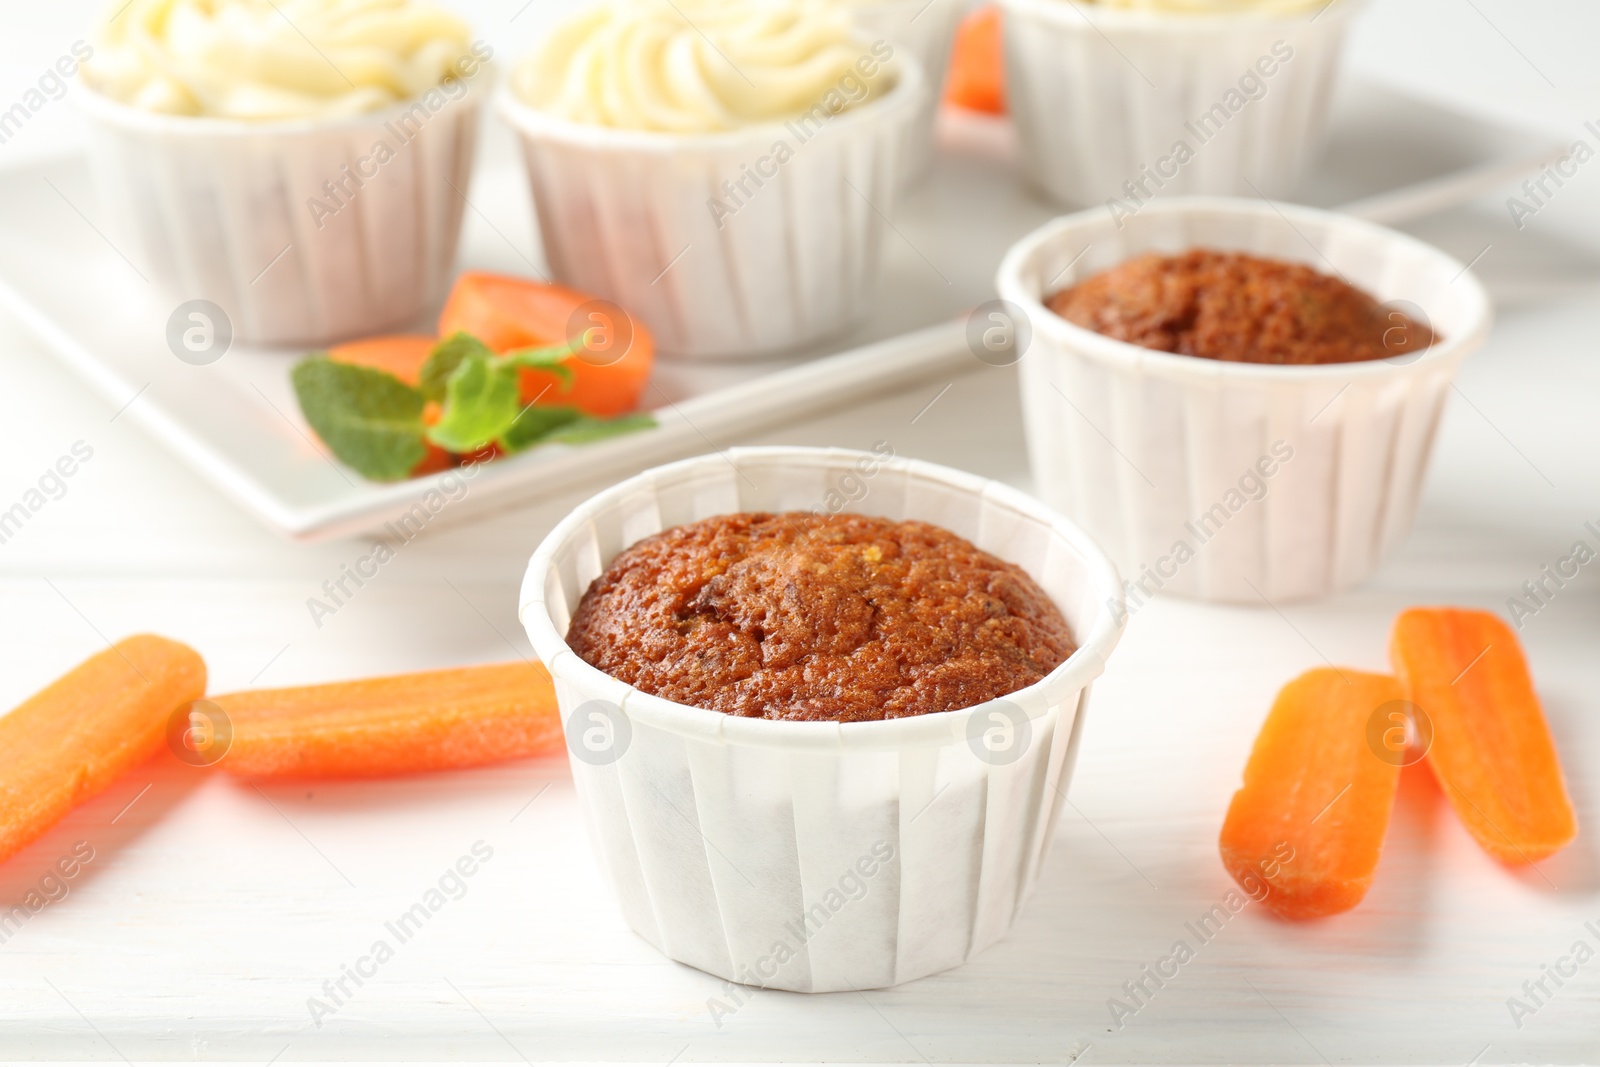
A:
[211, 911]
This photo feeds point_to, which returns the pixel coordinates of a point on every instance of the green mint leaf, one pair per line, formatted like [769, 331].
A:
[480, 404]
[552, 359]
[536, 422]
[369, 418]
[445, 358]
[582, 430]
[567, 425]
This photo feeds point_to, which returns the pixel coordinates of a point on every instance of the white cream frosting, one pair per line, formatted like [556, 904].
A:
[700, 66]
[276, 59]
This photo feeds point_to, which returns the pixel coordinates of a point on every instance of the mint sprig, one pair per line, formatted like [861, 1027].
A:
[552, 424]
[481, 402]
[446, 356]
[587, 428]
[460, 347]
[373, 421]
[536, 423]
[479, 391]
[368, 417]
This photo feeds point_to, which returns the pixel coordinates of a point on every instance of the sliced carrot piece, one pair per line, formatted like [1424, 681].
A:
[70, 740]
[1309, 823]
[1492, 751]
[482, 455]
[402, 355]
[434, 460]
[977, 77]
[393, 725]
[506, 313]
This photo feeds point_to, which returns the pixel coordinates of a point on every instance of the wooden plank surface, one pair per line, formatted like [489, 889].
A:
[211, 911]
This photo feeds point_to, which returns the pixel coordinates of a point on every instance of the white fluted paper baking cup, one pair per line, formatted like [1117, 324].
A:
[645, 219]
[727, 837]
[1149, 450]
[1102, 96]
[927, 28]
[242, 213]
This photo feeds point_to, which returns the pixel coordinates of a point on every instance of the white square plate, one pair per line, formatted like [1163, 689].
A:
[237, 423]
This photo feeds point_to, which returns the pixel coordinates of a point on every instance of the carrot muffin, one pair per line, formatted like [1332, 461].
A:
[1238, 309]
[819, 617]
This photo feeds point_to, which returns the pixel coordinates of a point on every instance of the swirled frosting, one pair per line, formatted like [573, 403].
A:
[276, 59]
[700, 66]
[1214, 7]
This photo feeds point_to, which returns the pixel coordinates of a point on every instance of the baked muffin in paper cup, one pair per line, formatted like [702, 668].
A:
[747, 221]
[1230, 481]
[1131, 99]
[927, 29]
[304, 200]
[818, 856]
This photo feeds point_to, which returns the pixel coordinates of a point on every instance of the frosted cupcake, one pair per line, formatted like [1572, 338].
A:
[926, 29]
[721, 168]
[298, 162]
[1129, 99]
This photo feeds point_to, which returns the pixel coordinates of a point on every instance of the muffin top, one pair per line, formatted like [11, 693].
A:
[818, 617]
[702, 66]
[1239, 309]
[267, 60]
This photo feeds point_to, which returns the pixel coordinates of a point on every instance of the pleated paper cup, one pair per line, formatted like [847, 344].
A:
[727, 245]
[926, 29]
[1105, 96]
[303, 232]
[1237, 481]
[818, 856]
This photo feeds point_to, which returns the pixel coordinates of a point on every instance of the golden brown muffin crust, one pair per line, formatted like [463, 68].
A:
[1238, 308]
[805, 616]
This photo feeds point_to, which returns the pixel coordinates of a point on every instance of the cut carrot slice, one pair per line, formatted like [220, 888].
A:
[506, 313]
[977, 77]
[1307, 828]
[394, 725]
[434, 460]
[67, 742]
[1492, 750]
[402, 355]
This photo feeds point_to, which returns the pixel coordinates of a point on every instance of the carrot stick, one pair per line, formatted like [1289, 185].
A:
[506, 313]
[977, 77]
[402, 355]
[394, 725]
[1492, 750]
[1311, 817]
[70, 740]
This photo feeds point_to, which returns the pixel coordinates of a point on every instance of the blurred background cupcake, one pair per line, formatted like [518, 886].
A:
[299, 163]
[925, 28]
[1282, 455]
[1136, 98]
[721, 168]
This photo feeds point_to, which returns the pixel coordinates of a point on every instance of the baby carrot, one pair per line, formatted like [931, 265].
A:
[402, 355]
[977, 76]
[506, 313]
[1492, 750]
[393, 725]
[1311, 817]
[67, 742]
